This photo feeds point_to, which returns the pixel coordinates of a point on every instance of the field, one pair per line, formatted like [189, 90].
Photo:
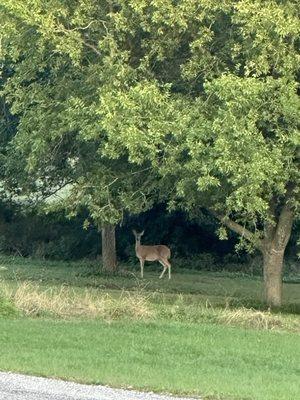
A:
[202, 333]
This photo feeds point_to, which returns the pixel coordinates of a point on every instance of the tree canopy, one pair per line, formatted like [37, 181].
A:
[196, 102]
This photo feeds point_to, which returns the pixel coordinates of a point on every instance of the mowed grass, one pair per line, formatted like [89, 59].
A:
[203, 333]
[213, 361]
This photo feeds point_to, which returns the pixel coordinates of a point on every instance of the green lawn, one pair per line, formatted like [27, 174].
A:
[180, 358]
[191, 335]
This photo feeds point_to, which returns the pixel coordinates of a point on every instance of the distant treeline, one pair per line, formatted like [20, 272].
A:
[54, 236]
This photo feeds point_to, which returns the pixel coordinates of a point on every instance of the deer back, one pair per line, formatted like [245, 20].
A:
[153, 253]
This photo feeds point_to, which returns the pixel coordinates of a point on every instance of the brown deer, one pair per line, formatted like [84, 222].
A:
[159, 253]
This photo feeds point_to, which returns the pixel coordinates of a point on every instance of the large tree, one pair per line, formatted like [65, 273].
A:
[204, 92]
[61, 56]
[211, 99]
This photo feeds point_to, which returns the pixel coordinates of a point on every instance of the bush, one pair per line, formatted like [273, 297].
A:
[202, 261]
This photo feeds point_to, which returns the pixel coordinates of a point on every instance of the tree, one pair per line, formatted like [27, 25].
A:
[107, 189]
[211, 101]
[203, 93]
[108, 247]
[57, 75]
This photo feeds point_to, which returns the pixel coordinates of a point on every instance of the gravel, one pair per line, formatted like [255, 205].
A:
[23, 387]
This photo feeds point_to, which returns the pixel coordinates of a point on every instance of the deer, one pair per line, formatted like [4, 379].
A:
[160, 253]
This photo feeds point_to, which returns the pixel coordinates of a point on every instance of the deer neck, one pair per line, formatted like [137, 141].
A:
[137, 245]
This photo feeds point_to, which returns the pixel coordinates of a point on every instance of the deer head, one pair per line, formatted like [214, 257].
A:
[138, 235]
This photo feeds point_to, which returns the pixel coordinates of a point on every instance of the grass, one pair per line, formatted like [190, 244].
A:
[212, 285]
[201, 333]
[187, 289]
[209, 360]
[63, 302]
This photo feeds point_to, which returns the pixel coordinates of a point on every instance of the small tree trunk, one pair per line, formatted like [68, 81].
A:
[109, 258]
[273, 266]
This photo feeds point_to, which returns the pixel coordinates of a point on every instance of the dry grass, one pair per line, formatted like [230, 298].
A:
[65, 302]
[229, 315]
[250, 318]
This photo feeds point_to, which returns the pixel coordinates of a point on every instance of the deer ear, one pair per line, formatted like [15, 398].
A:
[134, 232]
[142, 233]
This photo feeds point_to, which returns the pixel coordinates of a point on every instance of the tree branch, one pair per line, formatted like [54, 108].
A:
[95, 50]
[237, 228]
[270, 223]
[285, 220]
[82, 28]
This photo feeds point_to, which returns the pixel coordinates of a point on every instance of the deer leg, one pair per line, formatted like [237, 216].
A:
[142, 267]
[169, 270]
[169, 267]
[164, 270]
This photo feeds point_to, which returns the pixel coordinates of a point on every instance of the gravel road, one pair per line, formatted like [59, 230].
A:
[22, 387]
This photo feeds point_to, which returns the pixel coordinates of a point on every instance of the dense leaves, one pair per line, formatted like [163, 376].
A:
[127, 103]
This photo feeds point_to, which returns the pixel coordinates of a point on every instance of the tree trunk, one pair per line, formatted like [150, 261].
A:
[273, 266]
[273, 248]
[277, 232]
[109, 258]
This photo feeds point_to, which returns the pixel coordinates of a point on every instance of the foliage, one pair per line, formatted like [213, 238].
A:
[54, 90]
[29, 232]
[205, 94]
[194, 244]
[193, 103]
[229, 141]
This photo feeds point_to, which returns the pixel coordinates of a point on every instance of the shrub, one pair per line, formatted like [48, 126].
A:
[202, 261]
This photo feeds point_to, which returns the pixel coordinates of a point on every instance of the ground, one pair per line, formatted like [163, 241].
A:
[202, 333]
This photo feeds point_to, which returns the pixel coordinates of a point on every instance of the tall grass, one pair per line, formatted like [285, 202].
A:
[33, 300]
[65, 302]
